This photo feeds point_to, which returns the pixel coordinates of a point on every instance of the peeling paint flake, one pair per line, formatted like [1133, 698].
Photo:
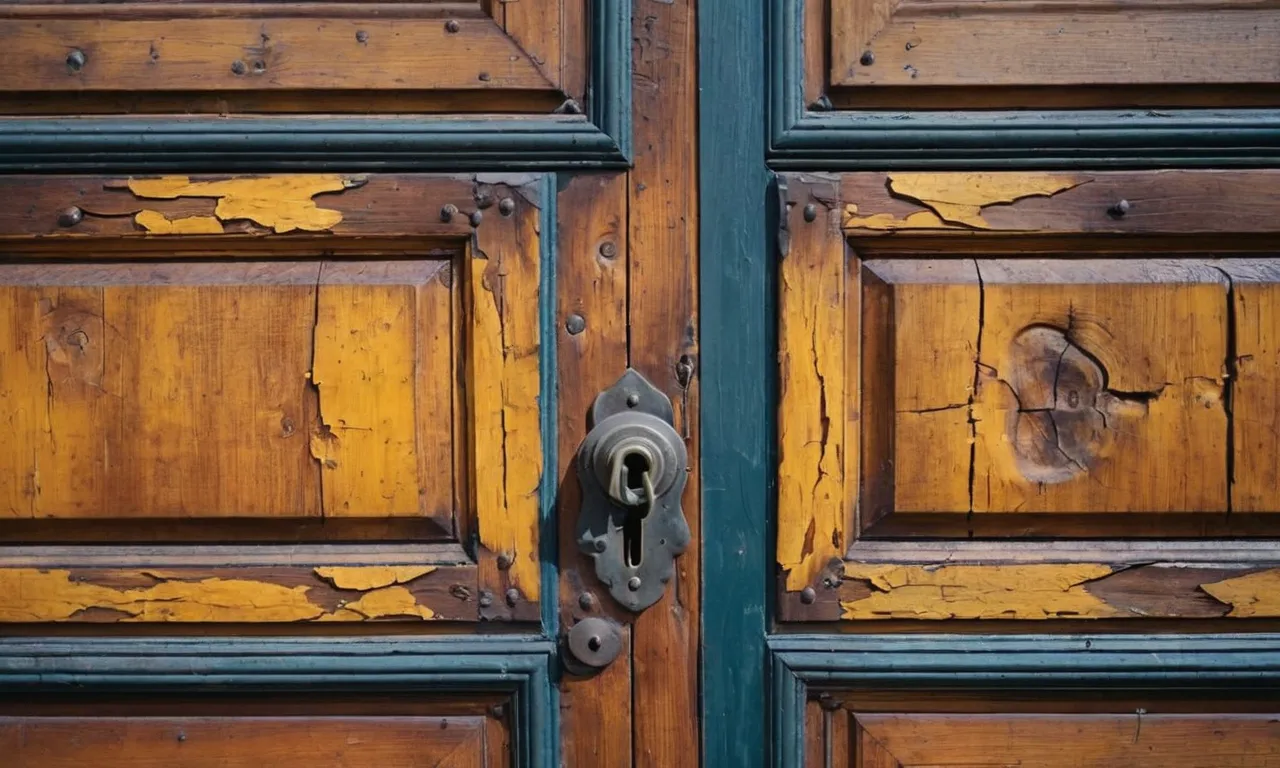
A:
[1254, 596]
[977, 592]
[956, 200]
[369, 577]
[282, 203]
[387, 603]
[156, 223]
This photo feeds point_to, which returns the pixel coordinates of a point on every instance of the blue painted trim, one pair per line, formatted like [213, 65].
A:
[801, 139]
[548, 539]
[1164, 662]
[737, 370]
[515, 665]
[599, 139]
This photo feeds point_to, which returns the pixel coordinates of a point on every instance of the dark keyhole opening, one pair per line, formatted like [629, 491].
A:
[636, 466]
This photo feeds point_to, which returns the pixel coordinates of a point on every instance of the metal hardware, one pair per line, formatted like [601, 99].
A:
[868, 58]
[238, 67]
[506, 206]
[1119, 209]
[451, 27]
[608, 250]
[475, 218]
[76, 60]
[808, 595]
[810, 212]
[69, 217]
[448, 212]
[362, 37]
[632, 470]
[592, 644]
[575, 324]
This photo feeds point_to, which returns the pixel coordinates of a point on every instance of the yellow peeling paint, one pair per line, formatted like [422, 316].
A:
[366, 577]
[502, 284]
[977, 592]
[390, 602]
[282, 203]
[1254, 596]
[32, 595]
[956, 200]
[155, 223]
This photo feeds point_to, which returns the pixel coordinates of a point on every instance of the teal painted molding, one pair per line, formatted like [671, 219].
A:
[516, 666]
[600, 138]
[737, 373]
[1034, 662]
[808, 140]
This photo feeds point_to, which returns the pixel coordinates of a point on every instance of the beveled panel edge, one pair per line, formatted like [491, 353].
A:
[802, 138]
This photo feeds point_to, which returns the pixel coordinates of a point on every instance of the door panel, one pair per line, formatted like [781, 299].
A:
[1027, 396]
[345, 391]
[280, 57]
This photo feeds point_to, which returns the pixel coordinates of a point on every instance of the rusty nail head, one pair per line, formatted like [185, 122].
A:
[362, 36]
[506, 206]
[486, 599]
[76, 60]
[807, 595]
[513, 596]
[451, 27]
[476, 217]
[69, 217]
[238, 67]
[504, 561]
[810, 212]
[447, 212]
[575, 324]
[868, 58]
[608, 250]
[586, 601]
[633, 583]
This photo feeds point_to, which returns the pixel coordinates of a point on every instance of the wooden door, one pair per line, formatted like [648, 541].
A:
[304, 308]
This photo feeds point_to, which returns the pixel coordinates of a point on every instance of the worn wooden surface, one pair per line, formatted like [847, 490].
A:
[258, 389]
[242, 742]
[663, 320]
[814, 490]
[591, 285]
[246, 594]
[920, 53]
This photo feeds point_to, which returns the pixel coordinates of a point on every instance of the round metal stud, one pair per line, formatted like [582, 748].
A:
[513, 596]
[238, 67]
[633, 583]
[575, 324]
[506, 206]
[362, 36]
[69, 217]
[608, 250]
[807, 595]
[76, 60]
[448, 212]
[810, 212]
[451, 27]
[868, 58]
[587, 601]
[594, 642]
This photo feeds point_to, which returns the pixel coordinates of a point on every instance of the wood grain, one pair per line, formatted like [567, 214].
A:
[813, 491]
[243, 742]
[663, 319]
[591, 284]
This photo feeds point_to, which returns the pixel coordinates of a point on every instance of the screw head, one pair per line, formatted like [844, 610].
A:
[810, 212]
[807, 595]
[586, 601]
[451, 27]
[448, 212]
[513, 596]
[868, 58]
[506, 206]
[362, 36]
[633, 583]
[238, 67]
[601, 545]
[69, 217]
[633, 399]
[575, 324]
[608, 250]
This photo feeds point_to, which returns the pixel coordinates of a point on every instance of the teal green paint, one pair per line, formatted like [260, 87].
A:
[736, 368]
[548, 539]
[1190, 664]
[214, 665]
[806, 140]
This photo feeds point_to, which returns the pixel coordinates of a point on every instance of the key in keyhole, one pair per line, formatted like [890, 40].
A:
[634, 488]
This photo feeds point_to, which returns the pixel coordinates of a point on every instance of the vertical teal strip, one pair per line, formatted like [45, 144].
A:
[548, 541]
[737, 374]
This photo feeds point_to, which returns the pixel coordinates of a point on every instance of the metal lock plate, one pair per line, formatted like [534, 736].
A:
[593, 644]
[632, 467]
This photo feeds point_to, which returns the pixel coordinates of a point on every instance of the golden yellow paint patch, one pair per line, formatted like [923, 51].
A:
[366, 577]
[977, 592]
[958, 198]
[390, 602]
[1254, 596]
[155, 223]
[888, 223]
[282, 203]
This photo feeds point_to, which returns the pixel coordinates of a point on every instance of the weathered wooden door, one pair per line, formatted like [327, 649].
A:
[1014, 491]
[303, 311]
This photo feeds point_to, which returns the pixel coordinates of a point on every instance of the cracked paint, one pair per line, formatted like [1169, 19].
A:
[1256, 595]
[282, 203]
[55, 595]
[977, 592]
[956, 200]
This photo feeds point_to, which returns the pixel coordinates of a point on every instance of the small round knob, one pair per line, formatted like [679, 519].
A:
[594, 643]
[69, 217]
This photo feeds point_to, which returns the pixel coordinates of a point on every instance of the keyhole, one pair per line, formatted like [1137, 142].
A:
[636, 466]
